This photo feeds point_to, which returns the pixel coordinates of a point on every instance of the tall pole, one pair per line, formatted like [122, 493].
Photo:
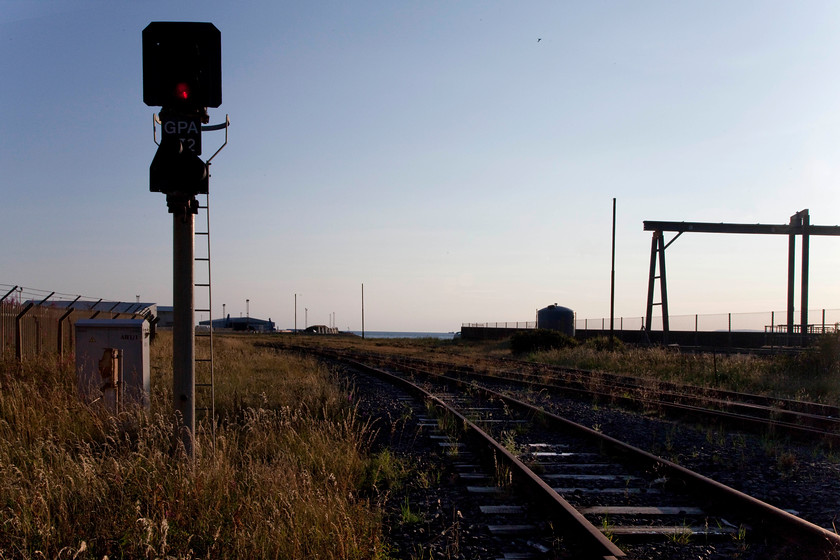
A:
[295, 312]
[794, 221]
[183, 329]
[612, 281]
[363, 310]
[803, 329]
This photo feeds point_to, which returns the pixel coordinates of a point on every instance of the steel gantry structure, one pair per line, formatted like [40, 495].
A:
[800, 224]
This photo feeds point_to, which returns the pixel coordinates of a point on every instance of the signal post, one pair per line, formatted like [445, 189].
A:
[182, 75]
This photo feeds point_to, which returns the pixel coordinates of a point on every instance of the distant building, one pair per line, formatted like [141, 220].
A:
[166, 316]
[240, 324]
[321, 329]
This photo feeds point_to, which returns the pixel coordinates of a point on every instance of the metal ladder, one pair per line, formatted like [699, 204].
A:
[205, 391]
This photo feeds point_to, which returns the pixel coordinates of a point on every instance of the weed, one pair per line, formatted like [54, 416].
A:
[606, 528]
[740, 538]
[681, 537]
[508, 441]
[786, 463]
[408, 516]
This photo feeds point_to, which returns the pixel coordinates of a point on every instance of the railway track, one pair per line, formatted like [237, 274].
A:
[576, 476]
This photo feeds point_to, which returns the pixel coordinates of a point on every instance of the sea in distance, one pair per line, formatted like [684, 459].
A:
[394, 334]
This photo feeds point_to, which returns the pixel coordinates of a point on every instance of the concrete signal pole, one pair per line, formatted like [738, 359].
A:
[183, 330]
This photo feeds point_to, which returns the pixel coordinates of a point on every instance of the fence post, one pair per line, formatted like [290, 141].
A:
[730, 329]
[38, 333]
[61, 326]
[823, 321]
[19, 332]
[3, 322]
[18, 321]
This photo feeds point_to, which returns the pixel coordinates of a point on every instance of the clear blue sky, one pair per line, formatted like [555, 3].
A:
[458, 158]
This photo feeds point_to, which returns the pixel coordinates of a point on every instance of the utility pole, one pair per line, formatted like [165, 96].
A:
[363, 310]
[612, 283]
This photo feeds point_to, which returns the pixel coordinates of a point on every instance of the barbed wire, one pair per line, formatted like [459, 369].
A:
[26, 293]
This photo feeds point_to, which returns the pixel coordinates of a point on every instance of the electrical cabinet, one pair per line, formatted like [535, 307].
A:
[112, 361]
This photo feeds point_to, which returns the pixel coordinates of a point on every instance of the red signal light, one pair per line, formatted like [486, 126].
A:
[182, 91]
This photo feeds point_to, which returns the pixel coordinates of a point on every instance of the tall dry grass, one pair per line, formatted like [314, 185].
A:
[285, 480]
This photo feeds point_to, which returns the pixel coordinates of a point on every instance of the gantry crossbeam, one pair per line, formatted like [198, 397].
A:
[799, 225]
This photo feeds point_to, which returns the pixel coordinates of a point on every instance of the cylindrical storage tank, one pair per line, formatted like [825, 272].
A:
[557, 318]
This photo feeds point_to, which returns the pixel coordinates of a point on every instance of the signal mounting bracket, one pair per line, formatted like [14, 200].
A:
[204, 128]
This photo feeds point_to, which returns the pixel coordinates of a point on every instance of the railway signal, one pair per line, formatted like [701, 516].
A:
[182, 65]
[182, 70]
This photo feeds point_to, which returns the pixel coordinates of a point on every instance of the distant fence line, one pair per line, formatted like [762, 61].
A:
[503, 325]
[820, 321]
[39, 326]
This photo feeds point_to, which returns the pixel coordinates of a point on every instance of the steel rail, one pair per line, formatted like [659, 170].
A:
[556, 506]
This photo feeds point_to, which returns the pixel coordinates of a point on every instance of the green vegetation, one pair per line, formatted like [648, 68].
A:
[289, 477]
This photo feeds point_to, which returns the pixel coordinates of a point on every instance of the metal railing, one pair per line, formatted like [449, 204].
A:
[503, 325]
[820, 321]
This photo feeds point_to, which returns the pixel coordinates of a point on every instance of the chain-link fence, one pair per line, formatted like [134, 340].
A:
[35, 322]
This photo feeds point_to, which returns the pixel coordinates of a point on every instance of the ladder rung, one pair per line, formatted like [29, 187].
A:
[202, 233]
[203, 360]
[202, 258]
[200, 206]
[202, 311]
[202, 285]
